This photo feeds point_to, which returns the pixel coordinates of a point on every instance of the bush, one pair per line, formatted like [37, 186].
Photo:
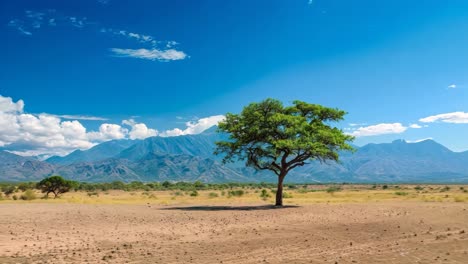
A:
[419, 188]
[25, 186]
[93, 194]
[213, 195]
[264, 195]
[401, 193]
[194, 193]
[333, 189]
[384, 187]
[287, 195]
[237, 193]
[28, 195]
[8, 189]
[15, 197]
[445, 189]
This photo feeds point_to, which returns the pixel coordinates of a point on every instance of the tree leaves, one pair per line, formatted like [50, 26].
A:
[272, 137]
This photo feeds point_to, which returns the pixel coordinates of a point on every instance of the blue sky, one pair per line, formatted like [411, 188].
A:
[173, 67]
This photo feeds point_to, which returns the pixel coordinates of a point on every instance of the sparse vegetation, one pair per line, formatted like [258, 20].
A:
[264, 195]
[333, 189]
[401, 193]
[445, 189]
[237, 193]
[28, 195]
[213, 195]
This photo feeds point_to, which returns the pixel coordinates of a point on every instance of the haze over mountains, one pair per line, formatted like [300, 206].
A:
[190, 158]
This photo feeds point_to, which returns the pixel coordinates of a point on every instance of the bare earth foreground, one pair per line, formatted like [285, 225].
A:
[385, 232]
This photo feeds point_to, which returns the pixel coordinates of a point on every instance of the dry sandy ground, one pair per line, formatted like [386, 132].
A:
[408, 232]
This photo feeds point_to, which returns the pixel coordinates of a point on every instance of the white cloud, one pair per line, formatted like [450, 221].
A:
[455, 118]
[139, 130]
[108, 132]
[452, 86]
[150, 54]
[357, 124]
[379, 129]
[47, 134]
[418, 140]
[82, 117]
[33, 21]
[415, 126]
[156, 50]
[195, 127]
[7, 105]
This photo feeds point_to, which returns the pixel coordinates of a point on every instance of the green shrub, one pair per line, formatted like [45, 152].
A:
[401, 193]
[28, 195]
[445, 189]
[287, 195]
[8, 189]
[419, 188]
[237, 193]
[213, 195]
[194, 193]
[384, 187]
[264, 195]
[93, 194]
[15, 197]
[333, 189]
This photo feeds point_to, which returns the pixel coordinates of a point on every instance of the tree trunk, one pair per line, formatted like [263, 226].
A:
[279, 191]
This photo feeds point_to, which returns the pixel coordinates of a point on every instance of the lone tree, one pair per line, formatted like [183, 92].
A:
[270, 136]
[56, 185]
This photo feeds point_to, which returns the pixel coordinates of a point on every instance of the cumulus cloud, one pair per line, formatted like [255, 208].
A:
[379, 129]
[195, 127]
[139, 130]
[7, 105]
[454, 117]
[452, 86]
[46, 134]
[150, 54]
[108, 132]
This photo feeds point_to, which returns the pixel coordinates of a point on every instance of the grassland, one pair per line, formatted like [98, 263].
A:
[294, 195]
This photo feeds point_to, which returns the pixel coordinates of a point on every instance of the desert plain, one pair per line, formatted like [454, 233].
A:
[356, 224]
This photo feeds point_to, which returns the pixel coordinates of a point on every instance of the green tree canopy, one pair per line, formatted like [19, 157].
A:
[56, 185]
[270, 136]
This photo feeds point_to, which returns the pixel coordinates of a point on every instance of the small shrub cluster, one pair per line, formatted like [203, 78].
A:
[264, 195]
[213, 195]
[236, 193]
[333, 189]
[28, 195]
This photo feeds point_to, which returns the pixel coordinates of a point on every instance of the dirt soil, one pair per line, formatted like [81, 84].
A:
[404, 232]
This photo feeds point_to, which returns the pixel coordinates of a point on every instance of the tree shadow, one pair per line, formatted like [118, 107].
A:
[230, 208]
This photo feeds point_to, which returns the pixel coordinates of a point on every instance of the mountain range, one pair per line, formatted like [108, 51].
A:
[191, 158]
